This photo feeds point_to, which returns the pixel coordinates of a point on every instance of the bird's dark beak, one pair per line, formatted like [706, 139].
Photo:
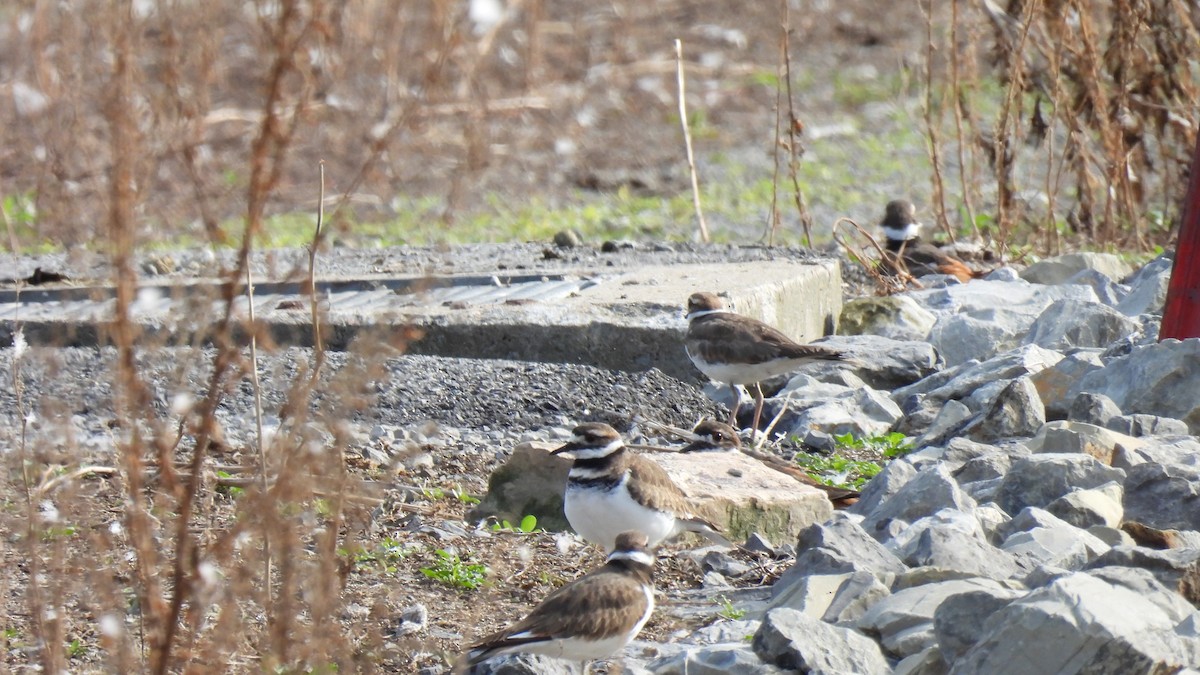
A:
[566, 448]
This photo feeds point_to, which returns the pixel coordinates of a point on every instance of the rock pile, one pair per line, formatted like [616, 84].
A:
[1048, 519]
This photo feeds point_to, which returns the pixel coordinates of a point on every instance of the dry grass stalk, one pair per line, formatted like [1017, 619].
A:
[687, 142]
[895, 279]
[794, 130]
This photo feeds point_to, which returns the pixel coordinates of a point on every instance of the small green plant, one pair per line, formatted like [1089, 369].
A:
[454, 572]
[58, 532]
[75, 649]
[891, 445]
[231, 490]
[528, 524]
[461, 495]
[384, 556]
[838, 470]
[728, 611]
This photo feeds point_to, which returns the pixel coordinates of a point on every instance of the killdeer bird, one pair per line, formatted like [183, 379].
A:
[736, 349]
[590, 618]
[610, 489]
[907, 251]
[714, 436]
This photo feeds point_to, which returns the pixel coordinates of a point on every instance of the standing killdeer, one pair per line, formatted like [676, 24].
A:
[714, 436]
[590, 618]
[737, 349]
[908, 252]
[610, 490]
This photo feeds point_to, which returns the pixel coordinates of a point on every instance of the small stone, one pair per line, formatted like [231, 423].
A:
[567, 239]
[1039, 479]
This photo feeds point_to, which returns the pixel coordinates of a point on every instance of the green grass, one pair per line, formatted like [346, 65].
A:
[451, 570]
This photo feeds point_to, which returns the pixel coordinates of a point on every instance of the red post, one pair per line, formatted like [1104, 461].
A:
[1181, 316]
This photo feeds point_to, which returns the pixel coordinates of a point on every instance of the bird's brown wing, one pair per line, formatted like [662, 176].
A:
[598, 604]
[745, 340]
[651, 485]
[923, 254]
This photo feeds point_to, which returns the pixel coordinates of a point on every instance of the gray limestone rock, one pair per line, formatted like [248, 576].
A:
[987, 467]
[991, 519]
[959, 383]
[958, 621]
[952, 417]
[1081, 624]
[797, 642]
[1057, 385]
[1159, 379]
[836, 546]
[527, 664]
[1016, 412]
[1147, 288]
[960, 338]
[1074, 324]
[1039, 479]
[832, 598]
[1094, 506]
[730, 658]
[886, 363]
[898, 317]
[928, 661]
[1107, 290]
[861, 411]
[1064, 547]
[904, 620]
[1062, 268]
[1095, 409]
[1078, 437]
[1164, 496]
[953, 540]
[1183, 450]
[886, 483]
[1175, 568]
[1140, 424]
[931, 490]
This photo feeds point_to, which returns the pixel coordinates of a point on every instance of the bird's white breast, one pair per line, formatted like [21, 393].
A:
[600, 515]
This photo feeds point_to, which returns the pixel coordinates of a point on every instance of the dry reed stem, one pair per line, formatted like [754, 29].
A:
[932, 124]
[885, 284]
[687, 142]
[795, 127]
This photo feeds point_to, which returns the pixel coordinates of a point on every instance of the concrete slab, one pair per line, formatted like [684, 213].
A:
[626, 319]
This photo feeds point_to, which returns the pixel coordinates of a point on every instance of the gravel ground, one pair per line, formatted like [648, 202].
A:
[84, 266]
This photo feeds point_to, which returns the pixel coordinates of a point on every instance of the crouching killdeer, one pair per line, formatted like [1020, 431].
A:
[736, 349]
[610, 489]
[714, 436]
[906, 250]
[590, 618]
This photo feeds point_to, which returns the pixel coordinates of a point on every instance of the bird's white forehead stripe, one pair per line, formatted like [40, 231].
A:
[706, 312]
[640, 557]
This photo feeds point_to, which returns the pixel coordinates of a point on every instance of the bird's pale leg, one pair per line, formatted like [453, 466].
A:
[758, 407]
[737, 403]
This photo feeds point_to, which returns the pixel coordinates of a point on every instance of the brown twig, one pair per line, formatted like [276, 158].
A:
[687, 141]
